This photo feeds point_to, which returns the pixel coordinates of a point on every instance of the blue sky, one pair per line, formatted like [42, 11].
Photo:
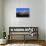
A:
[23, 9]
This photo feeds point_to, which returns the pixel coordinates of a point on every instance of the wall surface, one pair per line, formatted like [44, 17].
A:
[0, 18]
[37, 18]
[45, 19]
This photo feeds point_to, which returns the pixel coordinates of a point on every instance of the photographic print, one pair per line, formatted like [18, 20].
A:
[22, 12]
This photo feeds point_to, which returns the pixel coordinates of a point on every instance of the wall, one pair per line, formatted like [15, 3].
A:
[36, 19]
[0, 18]
[45, 19]
[39, 16]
